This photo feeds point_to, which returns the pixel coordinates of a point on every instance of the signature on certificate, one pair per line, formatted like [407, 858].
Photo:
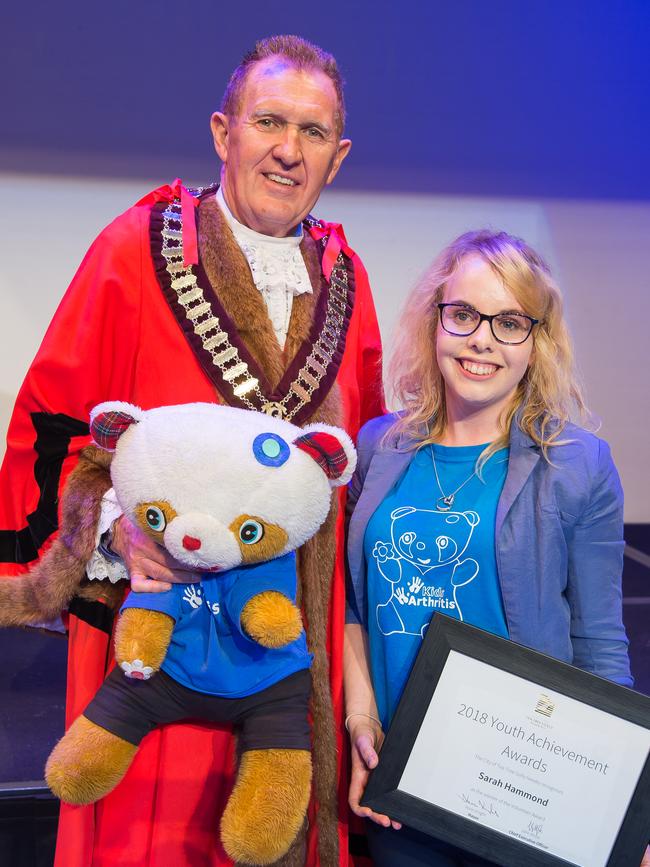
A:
[535, 828]
[479, 804]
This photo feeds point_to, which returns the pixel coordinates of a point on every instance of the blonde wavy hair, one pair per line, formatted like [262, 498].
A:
[547, 397]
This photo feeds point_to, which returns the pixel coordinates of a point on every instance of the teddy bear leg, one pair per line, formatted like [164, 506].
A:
[87, 763]
[267, 806]
[388, 619]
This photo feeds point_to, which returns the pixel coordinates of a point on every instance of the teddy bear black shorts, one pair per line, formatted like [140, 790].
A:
[274, 718]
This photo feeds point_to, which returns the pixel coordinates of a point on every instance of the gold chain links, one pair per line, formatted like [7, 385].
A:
[216, 341]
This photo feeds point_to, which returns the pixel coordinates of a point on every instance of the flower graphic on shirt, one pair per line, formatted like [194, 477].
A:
[136, 670]
[193, 595]
[383, 551]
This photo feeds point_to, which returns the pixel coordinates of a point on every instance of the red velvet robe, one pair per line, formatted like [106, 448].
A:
[114, 337]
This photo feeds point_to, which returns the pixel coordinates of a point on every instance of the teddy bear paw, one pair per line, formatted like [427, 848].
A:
[267, 806]
[87, 763]
[136, 670]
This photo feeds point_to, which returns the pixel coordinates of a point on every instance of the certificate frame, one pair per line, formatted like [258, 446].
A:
[446, 634]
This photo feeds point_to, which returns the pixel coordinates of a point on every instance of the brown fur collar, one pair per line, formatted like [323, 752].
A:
[231, 279]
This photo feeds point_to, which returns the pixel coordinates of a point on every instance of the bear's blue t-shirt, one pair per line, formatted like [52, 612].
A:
[421, 560]
[209, 651]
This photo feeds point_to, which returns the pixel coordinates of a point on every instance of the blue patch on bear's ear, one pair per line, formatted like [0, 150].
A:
[270, 450]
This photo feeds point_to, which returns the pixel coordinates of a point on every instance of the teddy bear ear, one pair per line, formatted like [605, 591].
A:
[109, 420]
[332, 450]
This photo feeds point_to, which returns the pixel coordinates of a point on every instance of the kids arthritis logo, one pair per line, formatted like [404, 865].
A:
[424, 567]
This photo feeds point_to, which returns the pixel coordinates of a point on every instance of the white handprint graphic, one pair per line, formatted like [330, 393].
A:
[193, 595]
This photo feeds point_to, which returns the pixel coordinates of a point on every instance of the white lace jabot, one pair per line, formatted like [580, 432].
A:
[277, 266]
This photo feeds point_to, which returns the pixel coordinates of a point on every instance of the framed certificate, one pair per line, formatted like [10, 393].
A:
[516, 757]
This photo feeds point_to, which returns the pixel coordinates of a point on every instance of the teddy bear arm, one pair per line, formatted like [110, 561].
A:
[464, 572]
[391, 569]
[271, 619]
[143, 635]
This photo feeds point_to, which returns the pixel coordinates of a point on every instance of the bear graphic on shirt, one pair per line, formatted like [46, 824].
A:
[424, 567]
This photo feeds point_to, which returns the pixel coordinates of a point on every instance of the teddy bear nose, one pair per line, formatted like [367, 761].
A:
[190, 543]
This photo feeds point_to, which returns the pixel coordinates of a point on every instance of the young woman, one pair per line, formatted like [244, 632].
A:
[480, 500]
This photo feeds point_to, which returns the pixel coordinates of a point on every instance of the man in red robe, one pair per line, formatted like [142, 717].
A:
[173, 303]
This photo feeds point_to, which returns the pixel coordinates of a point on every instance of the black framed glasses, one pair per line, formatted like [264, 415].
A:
[510, 328]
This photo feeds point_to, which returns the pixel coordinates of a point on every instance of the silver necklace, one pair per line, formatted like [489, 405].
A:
[446, 501]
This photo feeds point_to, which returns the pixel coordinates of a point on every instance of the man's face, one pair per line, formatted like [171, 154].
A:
[281, 148]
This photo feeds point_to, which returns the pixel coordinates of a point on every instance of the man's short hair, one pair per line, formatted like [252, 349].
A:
[299, 53]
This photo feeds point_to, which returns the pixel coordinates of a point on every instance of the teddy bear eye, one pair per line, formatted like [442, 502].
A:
[251, 532]
[155, 518]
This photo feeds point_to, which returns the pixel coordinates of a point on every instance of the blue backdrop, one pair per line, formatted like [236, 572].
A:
[509, 97]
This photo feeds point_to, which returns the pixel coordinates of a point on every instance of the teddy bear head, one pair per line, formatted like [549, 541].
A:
[218, 486]
[430, 538]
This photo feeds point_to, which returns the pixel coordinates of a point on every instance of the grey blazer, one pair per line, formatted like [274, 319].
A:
[558, 539]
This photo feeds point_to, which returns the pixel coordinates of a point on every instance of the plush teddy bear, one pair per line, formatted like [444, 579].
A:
[230, 494]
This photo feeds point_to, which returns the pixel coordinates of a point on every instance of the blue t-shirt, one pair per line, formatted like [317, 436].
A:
[421, 560]
[209, 651]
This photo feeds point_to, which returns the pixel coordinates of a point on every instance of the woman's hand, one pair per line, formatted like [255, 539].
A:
[150, 567]
[366, 738]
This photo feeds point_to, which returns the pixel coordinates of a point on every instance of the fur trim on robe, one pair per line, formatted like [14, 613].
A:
[230, 276]
[42, 593]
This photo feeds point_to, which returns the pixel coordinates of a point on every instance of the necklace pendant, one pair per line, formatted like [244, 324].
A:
[274, 408]
[444, 504]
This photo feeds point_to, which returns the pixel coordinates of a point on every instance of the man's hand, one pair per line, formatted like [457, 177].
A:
[365, 739]
[646, 858]
[150, 567]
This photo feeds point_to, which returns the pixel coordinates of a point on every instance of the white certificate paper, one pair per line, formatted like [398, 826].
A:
[531, 763]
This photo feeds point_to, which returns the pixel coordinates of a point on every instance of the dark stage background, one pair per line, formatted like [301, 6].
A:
[540, 97]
